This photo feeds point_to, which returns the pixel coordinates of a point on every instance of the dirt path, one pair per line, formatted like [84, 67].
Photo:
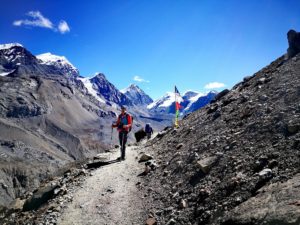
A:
[110, 196]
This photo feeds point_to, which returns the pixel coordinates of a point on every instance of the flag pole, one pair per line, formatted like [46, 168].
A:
[176, 113]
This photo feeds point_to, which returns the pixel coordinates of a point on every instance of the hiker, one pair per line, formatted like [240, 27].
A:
[148, 130]
[123, 124]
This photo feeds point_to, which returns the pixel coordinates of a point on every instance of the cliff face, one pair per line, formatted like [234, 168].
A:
[232, 156]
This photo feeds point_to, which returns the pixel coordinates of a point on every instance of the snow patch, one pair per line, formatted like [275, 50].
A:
[10, 45]
[195, 98]
[166, 101]
[89, 86]
[49, 59]
[6, 73]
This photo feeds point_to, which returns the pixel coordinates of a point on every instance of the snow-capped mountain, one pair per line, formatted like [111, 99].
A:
[189, 96]
[60, 62]
[10, 45]
[199, 101]
[165, 104]
[90, 89]
[104, 91]
[14, 54]
[190, 102]
[137, 96]
[15, 59]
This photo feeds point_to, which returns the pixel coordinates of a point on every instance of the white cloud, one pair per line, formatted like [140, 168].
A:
[214, 85]
[139, 79]
[38, 20]
[63, 27]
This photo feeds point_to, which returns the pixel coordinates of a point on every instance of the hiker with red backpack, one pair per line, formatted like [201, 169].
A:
[124, 124]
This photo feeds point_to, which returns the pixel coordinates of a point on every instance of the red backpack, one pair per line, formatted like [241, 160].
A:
[128, 116]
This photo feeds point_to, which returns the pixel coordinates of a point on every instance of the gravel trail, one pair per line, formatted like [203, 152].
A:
[110, 196]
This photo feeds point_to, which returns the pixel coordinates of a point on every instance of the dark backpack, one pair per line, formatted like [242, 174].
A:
[148, 128]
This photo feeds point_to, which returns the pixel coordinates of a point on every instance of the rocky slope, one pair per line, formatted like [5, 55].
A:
[235, 161]
[46, 121]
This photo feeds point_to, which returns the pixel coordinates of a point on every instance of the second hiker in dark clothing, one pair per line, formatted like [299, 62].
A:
[123, 124]
[148, 130]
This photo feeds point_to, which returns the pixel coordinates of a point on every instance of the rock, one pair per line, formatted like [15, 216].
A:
[273, 163]
[217, 114]
[40, 197]
[294, 43]
[183, 203]
[169, 209]
[261, 80]
[206, 163]
[179, 146]
[145, 157]
[293, 127]
[147, 169]
[273, 204]
[212, 109]
[265, 173]
[166, 173]
[263, 98]
[261, 163]
[17, 204]
[151, 164]
[221, 94]
[171, 222]
[151, 221]
[247, 78]
[161, 134]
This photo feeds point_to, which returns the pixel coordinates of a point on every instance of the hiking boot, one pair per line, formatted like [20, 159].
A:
[119, 158]
[123, 159]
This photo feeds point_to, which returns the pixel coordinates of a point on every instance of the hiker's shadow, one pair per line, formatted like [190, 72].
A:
[101, 163]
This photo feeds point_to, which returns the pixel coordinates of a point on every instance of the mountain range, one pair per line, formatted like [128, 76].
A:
[51, 116]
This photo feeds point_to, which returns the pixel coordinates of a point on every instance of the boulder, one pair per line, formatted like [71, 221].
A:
[277, 203]
[17, 204]
[40, 197]
[221, 94]
[145, 157]
[294, 43]
[183, 203]
[206, 163]
[161, 134]
[293, 127]
[151, 221]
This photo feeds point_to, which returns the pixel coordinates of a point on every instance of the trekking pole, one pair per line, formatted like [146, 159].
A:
[123, 146]
[111, 136]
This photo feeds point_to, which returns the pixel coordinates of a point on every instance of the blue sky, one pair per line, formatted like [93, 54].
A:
[183, 42]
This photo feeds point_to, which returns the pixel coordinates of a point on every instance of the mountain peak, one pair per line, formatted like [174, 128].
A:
[132, 87]
[10, 45]
[48, 58]
[137, 95]
[99, 75]
[60, 62]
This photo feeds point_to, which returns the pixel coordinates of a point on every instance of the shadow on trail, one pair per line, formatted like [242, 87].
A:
[101, 163]
[142, 174]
